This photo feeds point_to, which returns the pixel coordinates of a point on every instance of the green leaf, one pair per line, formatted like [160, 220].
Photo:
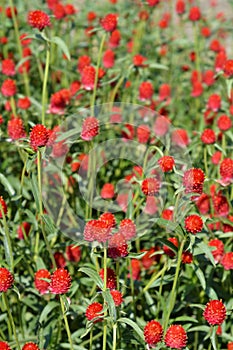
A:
[48, 308]
[62, 45]
[137, 256]
[199, 329]
[35, 190]
[133, 325]
[213, 338]
[93, 275]
[205, 249]
[7, 185]
[185, 319]
[111, 305]
[200, 275]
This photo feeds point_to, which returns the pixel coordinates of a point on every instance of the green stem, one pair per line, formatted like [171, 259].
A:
[132, 287]
[44, 89]
[114, 344]
[91, 339]
[8, 240]
[154, 278]
[5, 300]
[196, 43]
[66, 323]
[97, 73]
[104, 289]
[172, 298]
[12, 103]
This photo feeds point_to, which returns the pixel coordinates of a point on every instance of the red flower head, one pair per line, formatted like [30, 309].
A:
[109, 218]
[214, 102]
[167, 214]
[38, 19]
[117, 297]
[109, 22]
[90, 128]
[166, 163]
[187, 257]
[41, 285]
[127, 228]
[115, 39]
[197, 89]
[6, 279]
[15, 128]
[193, 180]
[224, 123]
[153, 2]
[180, 138]
[194, 14]
[153, 333]
[128, 131]
[97, 230]
[219, 251]
[143, 133]
[180, 7]
[230, 346]
[136, 269]
[150, 186]
[39, 136]
[161, 126]
[117, 246]
[8, 67]
[216, 157]
[138, 60]
[88, 77]
[23, 230]
[221, 205]
[146, 91]
[205, 32]
[108, 59]
[4, 346]
[60, 281]
[228, 68]
[95, 311]
[164, 92]
[193, 224]
[111, 277]
[24, 103]
[3, 207]
[73, 253]
[83, 61]
[30, 346]
[226, 169]
[203, 203]
[215, 45]
[151, 205]
[107, 191]
[9, 13]
[176, 337]
[167, 250]
[208, 136]
[59, 259]
[8, 88]
[208, 77]
[220, 60]
[215, 312]
[149, 258]
[227, 261]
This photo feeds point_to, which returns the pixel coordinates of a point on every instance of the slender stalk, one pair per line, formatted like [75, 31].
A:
[114, 344]
[44, 89]
[132, 287]
[8, 240]
[197, 51]
[12, 103]
[154, 278]
[104, 289]
[66, 323]
[205, 161]
[5, 300]
[91, 339]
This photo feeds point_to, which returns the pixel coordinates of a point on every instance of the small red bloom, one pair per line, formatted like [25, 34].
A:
[38, 19]
[117, 246]
[109, 22]
[219, 251]
[153, 2]
[203, 203]
[197, 89]
[143, 133]
[6, 279]
[108, 59]
[194, 14]
[136, 269]
[24, 103]
[97, 230]
[128, 131]
[109, 218]
[215, 45]
[187, 257]
[83, 61]
[90, 128]
[15, 128]
[208, 77]
[111, 277]
[150, 186]
[73, 253]
[221, 205]
[41, 285]
[9, 13]
[205, 32]
[60, 281]
[220, 60]
[214, 102]
[3, 207]
[30, 346]
[95, 311]
[115, 39]
[224, 123]
[227, 261]
[39, 136]
[166, 163]
[59, 259]
[226, 169]
[176, 337]
[107, 191]
[215, 312]
[23, 230]
[164, 92]
[8, 88]
[149, 258]
[228, 68]
[146, 91]
[180, 7]
[180, 138]
[4, 346]
[117, 297]
[88, 77]
[127, 228]
[230, 346]
[153, 333]
[138, 60]
[208, 136]
[167, 250]
[193, 224]
[167, 214]
[161, 126]
[8, 67]
[193, 180]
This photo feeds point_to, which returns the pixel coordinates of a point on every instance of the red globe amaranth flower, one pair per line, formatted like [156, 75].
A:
[88, 77]
[3, 207]
[180, 7]
[6, 279]
[208, 137]
[167, 250]
[23, 230]
[30, 346]
[73, 253]
[220, 60]
[176, 337]
[219, 251]
[187, 257]
[39, 136]
[214, 102]
[4, 346]
[9, 13]
[167, 214]
[114, 39]
[146, 91]
[8, 88]
[109, 22]
[59, 259]
[197, 89]
[226, 170]
[117, 297]
[143, 133]
[151, 206]
[215, 45]
[153, 2]
[117, 246]
[166, 163]
[224, 123]
[180, 138]
[205, 32]
[60, 281]
[97, 230]
[221, 205]
[95, 311]
[230, 346]
[107, 191]
[216, 157]
[24, 103]
[136, 269]
[227, 261]
[215, 312]
[208, 77]
[108, 59]
[150, 186]
[8, 67]
[38, 19]
[127, 228]
[83, 61]
[40, 283]
[203, 203]
[111, 277]
[193, 224]
[194, 14]
[149, 258]
[153, 333]
[127, 131]
[228, 68]
[138, 60]
[90, 128]
[193, 180]
[164, 92]
[109, 218]
[15, 128]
